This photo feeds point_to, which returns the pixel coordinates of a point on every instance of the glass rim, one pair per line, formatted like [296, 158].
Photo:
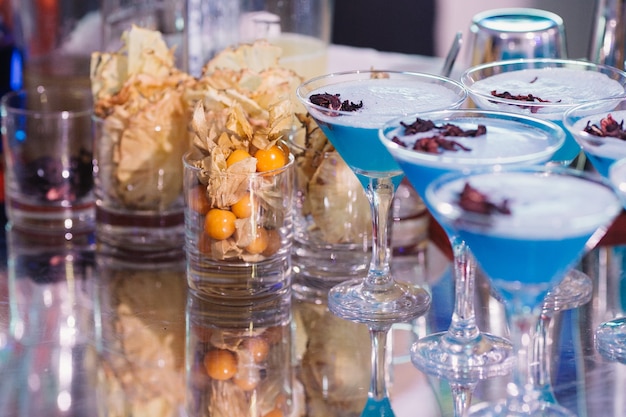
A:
[447, 158]
[187, 164]
[578, 112]
[303, 96]
[557, 20]
[71, 92]
[431, 189]
[468, 81]
[617, 174]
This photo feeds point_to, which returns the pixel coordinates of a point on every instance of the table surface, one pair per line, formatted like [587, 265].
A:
[47, 315]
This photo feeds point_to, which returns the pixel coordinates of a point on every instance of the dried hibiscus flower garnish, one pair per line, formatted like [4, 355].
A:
[609, 127]
[530, 98]
[334, 102]
[471, 199]
[438, 142]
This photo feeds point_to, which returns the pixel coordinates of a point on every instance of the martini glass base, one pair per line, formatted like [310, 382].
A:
[443, 356]
[357, 301]
[611, 340]
[499, 409]
[573, 291]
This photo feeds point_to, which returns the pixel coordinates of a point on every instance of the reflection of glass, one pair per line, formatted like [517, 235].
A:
[545, 88]
[377, 300]
[50, 368]
[540, 222]
[463, 354]
[332, 360]
[141, 334]
[239, 359]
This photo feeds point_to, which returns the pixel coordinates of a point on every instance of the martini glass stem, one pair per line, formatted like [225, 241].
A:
[463, 324]
[540, 371]
[380, 192]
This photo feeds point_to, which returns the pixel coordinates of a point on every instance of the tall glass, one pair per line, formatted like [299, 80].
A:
[463, 354]
[350, 107]
[527, 227]
[543, 87]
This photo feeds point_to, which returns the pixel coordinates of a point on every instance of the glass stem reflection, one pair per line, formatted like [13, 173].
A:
[378, 381]
[380, 192]
[521, 393]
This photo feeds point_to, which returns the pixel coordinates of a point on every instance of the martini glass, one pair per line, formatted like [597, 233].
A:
[606, 154]
[463, 354]
[371, 98]
[545, 88]
[527, 228]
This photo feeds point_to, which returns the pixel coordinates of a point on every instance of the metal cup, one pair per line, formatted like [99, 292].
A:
[512, 33]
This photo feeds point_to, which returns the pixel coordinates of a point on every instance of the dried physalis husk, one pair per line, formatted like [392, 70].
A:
[244, 105]
[143, 103]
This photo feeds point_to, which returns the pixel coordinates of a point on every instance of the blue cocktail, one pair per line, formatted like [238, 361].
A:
[350, 108]
[465, 139]
[527, 226]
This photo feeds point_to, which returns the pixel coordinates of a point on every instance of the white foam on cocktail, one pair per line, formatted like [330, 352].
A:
[542, 206]
[505, 141]
[386, 98]
[560, 86]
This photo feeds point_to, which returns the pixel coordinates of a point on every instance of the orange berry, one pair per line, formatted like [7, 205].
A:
[257, 347]
[273, 242]
[236, 156]
[259, 244]
[220, 364]
[219, 224]
[270, 159]
[242, 208]
[197, 200]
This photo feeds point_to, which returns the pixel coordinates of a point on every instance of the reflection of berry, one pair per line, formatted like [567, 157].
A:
[46, 178]
[220, 364]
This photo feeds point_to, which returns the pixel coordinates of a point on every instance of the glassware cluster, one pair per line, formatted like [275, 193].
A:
[517, 133]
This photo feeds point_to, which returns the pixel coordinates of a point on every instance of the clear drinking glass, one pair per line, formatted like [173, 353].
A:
[462, 354]
[546, 217]
[369, 99]
[47, 138]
